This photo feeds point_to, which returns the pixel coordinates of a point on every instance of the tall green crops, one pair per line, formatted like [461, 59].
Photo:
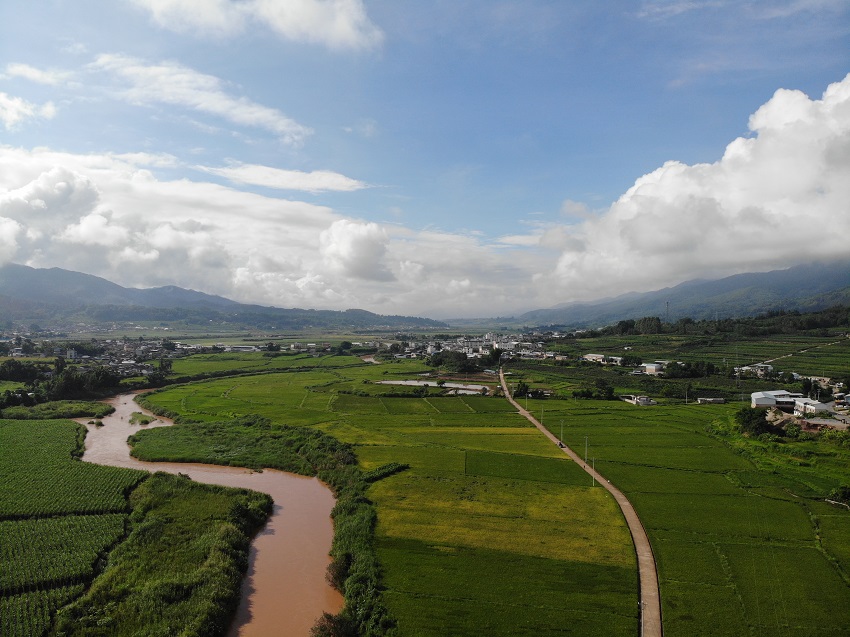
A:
[59, 518]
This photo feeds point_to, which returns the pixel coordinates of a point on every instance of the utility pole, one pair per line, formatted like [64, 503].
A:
[593, 475]
[562, 431]
[585, 451]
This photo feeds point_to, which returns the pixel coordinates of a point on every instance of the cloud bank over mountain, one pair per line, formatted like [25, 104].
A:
[776, 197]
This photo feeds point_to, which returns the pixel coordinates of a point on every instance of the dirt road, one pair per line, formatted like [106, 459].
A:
[650, 598]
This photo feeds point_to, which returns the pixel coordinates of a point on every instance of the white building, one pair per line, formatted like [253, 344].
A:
[808, 407]
[653, 368]
[778, 398]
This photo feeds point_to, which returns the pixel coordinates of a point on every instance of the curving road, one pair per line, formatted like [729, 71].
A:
[650, 598]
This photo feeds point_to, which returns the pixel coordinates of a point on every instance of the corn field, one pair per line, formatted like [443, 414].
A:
[59, 518]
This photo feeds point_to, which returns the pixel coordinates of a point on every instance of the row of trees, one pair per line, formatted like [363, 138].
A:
[60, 381]
[777, 322]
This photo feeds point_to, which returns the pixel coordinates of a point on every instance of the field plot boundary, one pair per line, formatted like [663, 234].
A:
[650, 597]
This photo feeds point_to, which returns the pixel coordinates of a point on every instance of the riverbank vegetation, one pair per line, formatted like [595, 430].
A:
[182, 546]
[180, 568]
[58, 409]
[253, 441]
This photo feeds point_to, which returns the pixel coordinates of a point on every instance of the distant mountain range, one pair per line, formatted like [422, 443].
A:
[50, 296]
[804, 288]
[54, 296]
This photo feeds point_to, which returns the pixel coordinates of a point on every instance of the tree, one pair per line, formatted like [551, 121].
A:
[683, 324]
[753, 421]
[648, 325]
[452, 361]
[165, 366]
[631, 360]
[604, 390]
[625, 327]
[333, 626]
[521, 390]
[493, 358]
[842, 494]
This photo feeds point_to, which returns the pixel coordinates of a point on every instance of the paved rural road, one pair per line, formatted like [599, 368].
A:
[650, 598]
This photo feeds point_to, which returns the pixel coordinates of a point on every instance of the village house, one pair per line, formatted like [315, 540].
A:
[804, 407]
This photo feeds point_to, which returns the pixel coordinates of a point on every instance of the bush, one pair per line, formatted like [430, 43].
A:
[333, 626]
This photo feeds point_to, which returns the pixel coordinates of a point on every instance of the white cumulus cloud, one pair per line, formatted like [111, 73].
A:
[15, 110]
[356, 249]
[777, 198]
[336, 24]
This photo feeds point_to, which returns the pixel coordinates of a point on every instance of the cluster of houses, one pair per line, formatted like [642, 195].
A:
[655, 368]
[124, 358]
[800, 405]
[473, 346]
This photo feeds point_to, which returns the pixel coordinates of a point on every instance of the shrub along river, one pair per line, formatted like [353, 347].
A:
[285, 590]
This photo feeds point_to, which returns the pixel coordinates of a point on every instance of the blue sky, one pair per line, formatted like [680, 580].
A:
[440, 158]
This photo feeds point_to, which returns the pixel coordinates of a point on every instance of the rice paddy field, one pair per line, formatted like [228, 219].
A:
[209, 365]
[744, 540]
[491, 530]
[806, 354]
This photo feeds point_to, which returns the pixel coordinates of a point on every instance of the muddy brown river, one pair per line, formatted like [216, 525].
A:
[284, 591]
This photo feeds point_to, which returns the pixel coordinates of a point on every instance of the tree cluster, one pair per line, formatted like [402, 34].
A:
[601, 390]
[753, 421]
[453, 361]
[688, 369]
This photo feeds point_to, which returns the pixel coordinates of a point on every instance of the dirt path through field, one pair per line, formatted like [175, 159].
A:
[650, 598]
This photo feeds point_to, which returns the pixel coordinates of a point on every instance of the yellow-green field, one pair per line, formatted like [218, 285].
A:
[490, 531]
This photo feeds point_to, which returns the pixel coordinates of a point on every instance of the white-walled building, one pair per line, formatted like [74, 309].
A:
[808, 407]
[778, 398]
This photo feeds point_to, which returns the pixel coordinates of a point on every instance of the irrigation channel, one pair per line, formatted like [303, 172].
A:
[285, 590]
[650, 597]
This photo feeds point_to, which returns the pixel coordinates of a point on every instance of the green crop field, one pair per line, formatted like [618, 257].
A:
[722, 350]
[61, 519]
[485, 495]
[741, 534]
[40, 478]
[484, 527]
[181, 567]
[207, 365]
[483, 486]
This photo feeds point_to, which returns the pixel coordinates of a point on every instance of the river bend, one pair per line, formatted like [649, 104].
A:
[285, 590]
